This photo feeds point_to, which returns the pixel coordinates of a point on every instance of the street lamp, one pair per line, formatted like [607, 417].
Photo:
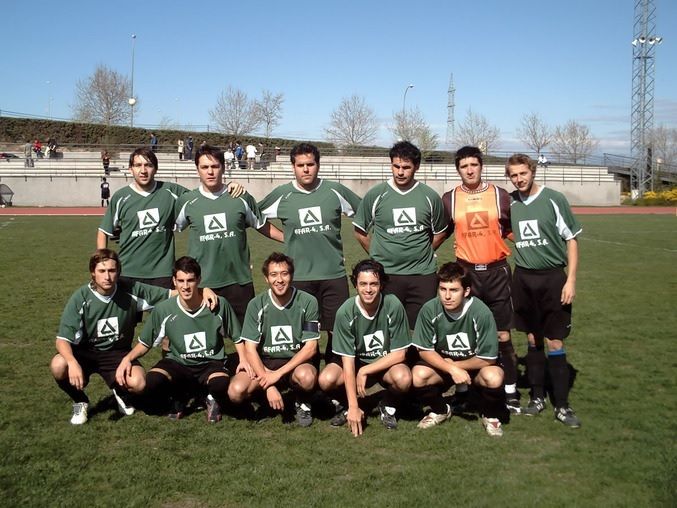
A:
[404, 99]
[131, 99]
[49, 99]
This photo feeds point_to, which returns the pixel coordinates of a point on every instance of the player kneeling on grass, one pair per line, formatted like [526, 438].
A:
[280, 334]
[371, 336]
[196, 350]
[96, 331]
[456, 337]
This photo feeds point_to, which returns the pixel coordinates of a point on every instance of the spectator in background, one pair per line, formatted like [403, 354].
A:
[251, 157]
[28, 155]
[543, 161]
[230, 159]
[153, 142]
[180, 148]
[105, 159]
[189, 148]
[37, 148]
[105, 192]
[239, 153]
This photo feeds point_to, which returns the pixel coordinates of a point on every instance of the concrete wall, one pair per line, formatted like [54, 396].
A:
[85, 191]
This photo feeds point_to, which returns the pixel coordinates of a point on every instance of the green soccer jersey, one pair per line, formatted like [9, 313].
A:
[194, 337]
[368, 338]
[91, 320]
[218, 236]
[541, 225]
[402, 225]
[471, 332]
[146, 220]
[312, 226]
[281, 331]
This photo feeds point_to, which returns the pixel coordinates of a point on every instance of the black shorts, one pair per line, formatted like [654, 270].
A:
[103, 363]
[413, 291]
[536, 298]
[276, 363]
[182, 374]
[492, 286]
[238, 296]
[161, 282]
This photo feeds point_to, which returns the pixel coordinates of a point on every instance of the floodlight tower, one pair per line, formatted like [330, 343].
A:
[450, 109]
[643, 69]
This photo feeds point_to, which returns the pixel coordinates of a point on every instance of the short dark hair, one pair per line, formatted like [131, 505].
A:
[187, 264]
[101, 255]
[146, 153]
[278, 257]
[406, 150]
[303, 149]
[452, 272]
[369, 265]
[212, 152]
[518, 159]
[468, 151]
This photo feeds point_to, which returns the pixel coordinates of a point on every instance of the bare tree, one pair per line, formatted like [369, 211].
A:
[234, 113]
[352, 123]
[664, 144]
[411, 126]
[269, 111]
[102, 97]
[475, 130]
[573, 141]
[534, 132]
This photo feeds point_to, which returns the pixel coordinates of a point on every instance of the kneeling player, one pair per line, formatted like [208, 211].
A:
[371, 336]
[456, 337]
[196, 349]
[96, 331]
[280, 335]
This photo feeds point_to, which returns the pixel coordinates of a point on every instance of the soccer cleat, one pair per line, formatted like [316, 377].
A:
[534, 407]
[124, 408]
[512, 404]
[567, 416]
[213, 410]
[492, 426]
[79, 413]
[387, 415]
[304, 416]
[432, 419]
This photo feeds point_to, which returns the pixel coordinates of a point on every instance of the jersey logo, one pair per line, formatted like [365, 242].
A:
[215, 222]
[404, 216]
[281, 335]
[478, 220]
[310, 216]
[108, 327]
[195, 342]
[458, 341]
[148, 218]
[374, 341]
[529, 229]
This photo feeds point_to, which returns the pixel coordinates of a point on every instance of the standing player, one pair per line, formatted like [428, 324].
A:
[546, 242]
[280, 333]
[96, 331]
[371, 336]
[310, 209]
[196, 349]
[479, 214]
[406, 218]
[218, 236]
[457, 339]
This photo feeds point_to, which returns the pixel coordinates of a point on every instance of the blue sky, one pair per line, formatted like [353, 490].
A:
[566, 59]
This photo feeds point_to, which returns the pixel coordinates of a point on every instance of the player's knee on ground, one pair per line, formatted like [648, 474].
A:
[399, 377]
[490, 377]
[238, 388]
[331, 377]
[59, 367]
[304, 377]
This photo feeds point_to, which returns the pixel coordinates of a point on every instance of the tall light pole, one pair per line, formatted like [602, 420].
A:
[132, 99]
[404, 99]
[49, 99]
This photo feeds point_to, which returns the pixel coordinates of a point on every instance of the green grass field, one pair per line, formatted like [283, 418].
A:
[623, 348]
